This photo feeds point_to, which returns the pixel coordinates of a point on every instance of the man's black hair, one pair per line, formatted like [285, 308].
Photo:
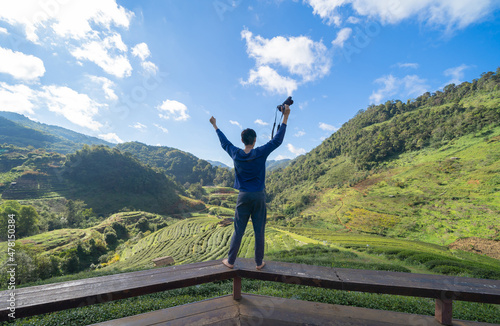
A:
[248, 136]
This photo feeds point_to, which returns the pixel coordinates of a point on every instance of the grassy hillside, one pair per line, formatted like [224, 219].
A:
[202, 238]
[105, 179]
[436, 195]
[426, 169]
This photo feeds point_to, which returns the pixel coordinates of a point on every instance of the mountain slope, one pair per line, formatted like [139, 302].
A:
[372, 151]
[105, 179]
[185, 167]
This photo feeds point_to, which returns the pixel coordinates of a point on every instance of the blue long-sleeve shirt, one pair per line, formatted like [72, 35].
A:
[250, 169]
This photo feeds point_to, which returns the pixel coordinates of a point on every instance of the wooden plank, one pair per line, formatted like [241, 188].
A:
[265, 310]
[409, 284]
[302, 274]
[96, 287]
[220, 310]
[45, 299]
[237, 288]
[444, 311]
[421, 285]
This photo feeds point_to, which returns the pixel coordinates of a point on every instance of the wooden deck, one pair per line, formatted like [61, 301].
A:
[41, 299]
[65, 295]
[264, 310]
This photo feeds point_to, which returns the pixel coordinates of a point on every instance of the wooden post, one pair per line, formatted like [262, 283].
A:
[237, 288]
[444, 311]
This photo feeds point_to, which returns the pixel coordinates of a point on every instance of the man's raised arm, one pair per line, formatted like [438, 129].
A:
[224, 142]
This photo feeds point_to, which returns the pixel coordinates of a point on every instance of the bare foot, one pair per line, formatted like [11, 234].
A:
[261, 266]
[224, 261]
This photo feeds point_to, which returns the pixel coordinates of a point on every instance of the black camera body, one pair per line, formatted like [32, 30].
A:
[288, 101]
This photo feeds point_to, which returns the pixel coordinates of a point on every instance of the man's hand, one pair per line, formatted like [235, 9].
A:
[213, 122]
[286, 113]
[287, 110]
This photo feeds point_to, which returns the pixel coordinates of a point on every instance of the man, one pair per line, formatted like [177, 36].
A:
[250, 178]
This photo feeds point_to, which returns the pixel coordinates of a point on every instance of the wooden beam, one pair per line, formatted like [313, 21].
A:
[46, 298]
[444, 311]
[237, 288]
[397, 283]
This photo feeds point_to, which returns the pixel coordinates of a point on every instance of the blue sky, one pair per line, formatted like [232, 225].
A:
[155, 71]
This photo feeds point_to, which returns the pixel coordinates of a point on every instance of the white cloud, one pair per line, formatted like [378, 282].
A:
[270, 80]
[353, 20]
[77, 108]
[390, 88]
[342, 36]
[295, 150]
[106, 85]
[173, 110]
[414, 85]
[17, 98]
[447, 13]
[105, 54]
[300, 133]
[149, 67]
[410, 85]
[260, 122]
[282, 157]
[141, 50]
[410, 65]
[21, 66]
[327, 127]
[299, 56]
[4, 30]
[139, 126]
[111, 137]
[456, 74]
[165, 130]
[86, 28]
[327, 10]
[236, 123]
[68, 19]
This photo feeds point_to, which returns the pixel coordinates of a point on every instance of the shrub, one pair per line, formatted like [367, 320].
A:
[110, 236]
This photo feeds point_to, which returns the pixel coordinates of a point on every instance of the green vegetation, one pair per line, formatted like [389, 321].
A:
[423, 170]
[184, 167]
[125, 181]
[26, 219]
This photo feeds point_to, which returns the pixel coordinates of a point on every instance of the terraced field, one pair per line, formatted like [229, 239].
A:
[201, 238]
[196, 239]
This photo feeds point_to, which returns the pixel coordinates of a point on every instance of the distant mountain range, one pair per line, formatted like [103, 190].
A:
[16, 129]
[219, 164]
[20, 131]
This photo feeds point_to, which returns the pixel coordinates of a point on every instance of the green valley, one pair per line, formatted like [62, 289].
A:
[410, 187]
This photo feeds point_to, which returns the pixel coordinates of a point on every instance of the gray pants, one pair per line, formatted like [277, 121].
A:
[249, 204]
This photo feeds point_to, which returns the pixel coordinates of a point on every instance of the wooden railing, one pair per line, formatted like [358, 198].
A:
[41, 299]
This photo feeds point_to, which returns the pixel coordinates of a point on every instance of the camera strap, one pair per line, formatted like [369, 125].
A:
[274, 125]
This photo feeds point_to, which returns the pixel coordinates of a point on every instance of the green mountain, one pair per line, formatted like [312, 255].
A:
[182, 166]
[272, 165]
[105, 179]
[16, 129]
[20, 131]
[426, 169]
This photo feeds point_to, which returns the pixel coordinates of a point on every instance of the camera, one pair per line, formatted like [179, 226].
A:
[288, 101]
